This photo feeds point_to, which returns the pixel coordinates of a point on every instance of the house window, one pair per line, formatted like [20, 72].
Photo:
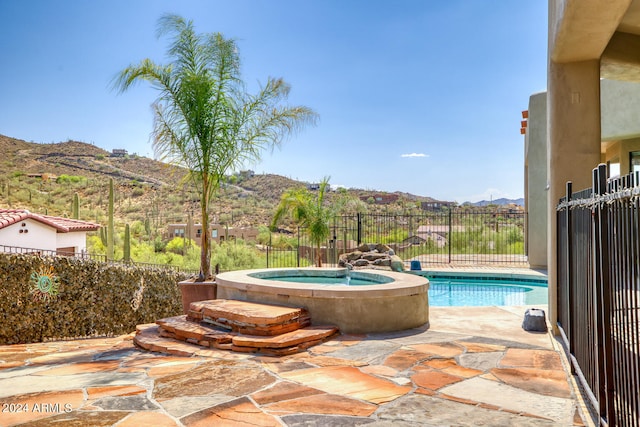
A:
[634, 161]
[198, 232]
[214, 234]
[613, 167]
[178, 232]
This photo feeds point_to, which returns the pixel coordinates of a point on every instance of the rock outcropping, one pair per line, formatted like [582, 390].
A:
[372, 256]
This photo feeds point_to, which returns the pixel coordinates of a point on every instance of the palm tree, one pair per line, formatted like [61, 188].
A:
[309, 212]
[204, 119]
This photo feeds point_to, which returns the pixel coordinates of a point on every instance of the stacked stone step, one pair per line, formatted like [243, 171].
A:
[243, 327]
[249, 318]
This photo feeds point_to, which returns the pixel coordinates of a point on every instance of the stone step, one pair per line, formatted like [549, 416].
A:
[290, 339]
[248, 317]
[182, 329]
[150, 337]
[234, 325]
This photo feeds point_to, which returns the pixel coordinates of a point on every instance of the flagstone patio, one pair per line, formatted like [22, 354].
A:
[472, 367]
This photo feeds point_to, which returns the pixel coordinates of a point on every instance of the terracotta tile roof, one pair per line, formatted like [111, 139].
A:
[62, 225]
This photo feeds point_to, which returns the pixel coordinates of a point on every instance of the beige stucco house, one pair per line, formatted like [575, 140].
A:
[23, 230]
[619, 149]
[589, 114]
[219, 233]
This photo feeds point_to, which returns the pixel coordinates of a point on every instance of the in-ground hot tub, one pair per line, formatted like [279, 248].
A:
[387, 301]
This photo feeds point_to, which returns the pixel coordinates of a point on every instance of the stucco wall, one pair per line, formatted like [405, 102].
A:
[620, 104]
[37, 235]
[76, 239]
[536, 180]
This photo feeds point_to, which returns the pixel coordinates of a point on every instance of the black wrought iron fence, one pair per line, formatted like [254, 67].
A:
[599, 293]
[85, 255]
[463, 235]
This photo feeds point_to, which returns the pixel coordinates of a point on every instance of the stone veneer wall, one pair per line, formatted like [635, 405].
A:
[93, 299]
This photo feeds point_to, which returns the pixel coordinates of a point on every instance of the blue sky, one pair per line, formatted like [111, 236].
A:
[417, 96]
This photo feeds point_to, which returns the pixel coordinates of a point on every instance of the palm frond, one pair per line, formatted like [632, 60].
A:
[204, 119]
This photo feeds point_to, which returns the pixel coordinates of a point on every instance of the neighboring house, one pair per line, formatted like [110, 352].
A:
[119, 152]
[381, 199]
[24, 229]
[436, 206]
[437, 233]
[414, 240]
[219, 233]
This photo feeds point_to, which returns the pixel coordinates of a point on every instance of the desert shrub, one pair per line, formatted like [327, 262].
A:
[178, 245]
[137, 229]
[264, 234]
[159, 245]
[234, 256]
[71, 179]
[130, 208]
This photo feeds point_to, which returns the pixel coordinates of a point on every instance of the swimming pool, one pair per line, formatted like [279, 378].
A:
[485, 290]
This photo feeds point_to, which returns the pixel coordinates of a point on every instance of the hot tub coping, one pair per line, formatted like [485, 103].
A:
[403, 284]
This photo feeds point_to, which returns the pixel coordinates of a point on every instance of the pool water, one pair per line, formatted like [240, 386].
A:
[450, 290]
[320, 280]
[457, 291]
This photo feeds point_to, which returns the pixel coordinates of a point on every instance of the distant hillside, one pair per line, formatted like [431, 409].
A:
[44, 177]
[500, 202]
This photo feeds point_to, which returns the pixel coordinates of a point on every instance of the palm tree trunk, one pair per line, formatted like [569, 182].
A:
[205, 239]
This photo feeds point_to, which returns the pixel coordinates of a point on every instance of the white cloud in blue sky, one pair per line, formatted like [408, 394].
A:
[414, 155]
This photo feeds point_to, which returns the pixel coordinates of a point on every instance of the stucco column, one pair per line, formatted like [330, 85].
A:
[573, 148]
[536, 181]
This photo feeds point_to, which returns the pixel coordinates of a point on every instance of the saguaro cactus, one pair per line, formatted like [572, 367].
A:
[103, 236]
[127, 244]
[110, 226]
[75, 206]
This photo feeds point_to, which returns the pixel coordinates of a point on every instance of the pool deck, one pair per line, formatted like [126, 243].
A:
[472, 366]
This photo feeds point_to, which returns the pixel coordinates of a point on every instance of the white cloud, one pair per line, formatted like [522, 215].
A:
[414, 155]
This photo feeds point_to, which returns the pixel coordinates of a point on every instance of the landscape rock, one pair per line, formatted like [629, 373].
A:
[371, 255]
[386, 262]
[352, 256]
[396, 263]
[382, 248]
[534, 320]
[365, 248]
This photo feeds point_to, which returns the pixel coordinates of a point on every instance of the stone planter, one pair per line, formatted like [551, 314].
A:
[196, 291]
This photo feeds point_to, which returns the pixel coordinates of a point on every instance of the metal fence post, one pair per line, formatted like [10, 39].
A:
[268, 246]
[298, 251]
[603, 302]
[568, 275]
[450, 235]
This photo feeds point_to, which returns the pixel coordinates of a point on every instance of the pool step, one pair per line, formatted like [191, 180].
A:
[234, 325]
[194, 332]
[299, 339]
[248, 317]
